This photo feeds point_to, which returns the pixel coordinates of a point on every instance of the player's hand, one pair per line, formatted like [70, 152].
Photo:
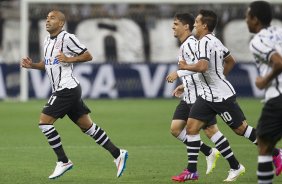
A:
[26, 62]
[172, 77]
[178, 91]
[261, 83]
[182, 65]
[61, 57]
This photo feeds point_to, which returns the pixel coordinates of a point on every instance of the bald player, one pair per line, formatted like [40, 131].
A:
[61, 50]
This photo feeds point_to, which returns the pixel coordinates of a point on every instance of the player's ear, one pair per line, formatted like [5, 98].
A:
[62, 23]
[255, 19]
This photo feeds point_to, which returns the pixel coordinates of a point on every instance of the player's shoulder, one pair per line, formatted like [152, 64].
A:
[212, 40]
[66, 35]
[263, 36]
[189, 43]
[268, 33]
[190, 39]
[209, 38]
[193, 38]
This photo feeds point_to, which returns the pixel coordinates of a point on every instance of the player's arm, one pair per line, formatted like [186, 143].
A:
[27, 63]
[178, 91]
[201, 66]
[229, 63]
[276, 66]
[85, 56]
[179, 73]
[172, 77]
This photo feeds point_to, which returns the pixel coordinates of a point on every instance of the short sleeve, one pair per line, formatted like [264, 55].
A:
[73, 45]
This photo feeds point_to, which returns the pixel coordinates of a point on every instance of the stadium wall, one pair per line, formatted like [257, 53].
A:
[120, 81]
[133, 40]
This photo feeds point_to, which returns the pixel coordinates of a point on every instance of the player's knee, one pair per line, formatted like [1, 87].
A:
[240, 130]
[211, 130]
[194, 126]
[265, 147]
[174, 131]
[192, 130]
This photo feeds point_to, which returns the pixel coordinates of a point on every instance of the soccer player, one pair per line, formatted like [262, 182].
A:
[61, 50]
[183, 26]
[266, 46]
[219, 96]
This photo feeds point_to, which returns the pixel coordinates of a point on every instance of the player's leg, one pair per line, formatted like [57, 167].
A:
[179, 120]
[98, 134]
[54, 139]
[250, 133]
[180, 133]
[222, 145]
[210, 129]
[210, 153]
[178, 130]
[247, 131]
[265, 171]
[193, 143]
[199, 114]
[80, 116]
[269, 133]
[56, 107]
[178, 125]
[235, 118]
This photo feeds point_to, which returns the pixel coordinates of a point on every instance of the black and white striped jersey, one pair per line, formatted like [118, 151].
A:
[60, 74]
[190, 82]
[215, 86]
[263, 45]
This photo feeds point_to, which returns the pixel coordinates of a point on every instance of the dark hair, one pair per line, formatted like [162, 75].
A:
[262, 10]
[186, 18]
[209, 18]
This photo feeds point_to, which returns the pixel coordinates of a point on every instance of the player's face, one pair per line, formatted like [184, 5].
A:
[53, 23]
[199, 27]
[179, 28]
[250, 21]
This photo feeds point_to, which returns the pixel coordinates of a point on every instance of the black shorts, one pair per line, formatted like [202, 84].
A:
[270, 122]
[66, 102]
[182, 112]
[228, 109]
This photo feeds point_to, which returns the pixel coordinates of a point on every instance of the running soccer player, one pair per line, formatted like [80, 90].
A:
[266, 46]
[219, 96]
[61, 50]
[183, 26]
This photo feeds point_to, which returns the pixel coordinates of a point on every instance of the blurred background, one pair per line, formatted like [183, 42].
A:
[134, 50]
[132, 43]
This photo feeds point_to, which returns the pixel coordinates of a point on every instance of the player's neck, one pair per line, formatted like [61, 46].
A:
[184, 37]
[260, 27]
[56, 33]
[204, 34]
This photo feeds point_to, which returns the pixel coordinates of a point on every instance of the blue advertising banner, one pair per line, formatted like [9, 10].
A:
[120, 80]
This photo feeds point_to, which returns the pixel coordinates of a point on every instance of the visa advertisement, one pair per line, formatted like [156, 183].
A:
[120, 81]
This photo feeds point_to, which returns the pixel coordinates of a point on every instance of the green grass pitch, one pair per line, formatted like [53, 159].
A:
[139, 125]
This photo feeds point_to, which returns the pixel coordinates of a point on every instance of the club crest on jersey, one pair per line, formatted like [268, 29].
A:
[50, 62]
[58, 45]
